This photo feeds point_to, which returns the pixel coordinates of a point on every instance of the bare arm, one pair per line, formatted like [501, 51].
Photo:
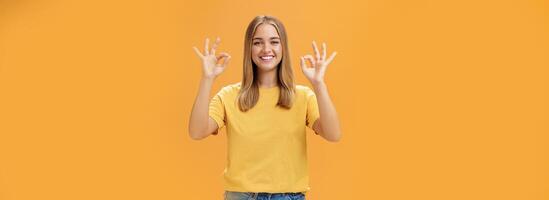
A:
[201, 125]
[327, 125]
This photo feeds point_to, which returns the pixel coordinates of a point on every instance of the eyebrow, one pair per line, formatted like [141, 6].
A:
[272, 38]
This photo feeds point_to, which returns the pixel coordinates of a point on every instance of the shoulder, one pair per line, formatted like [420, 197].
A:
[304, 90]
[230, 89]
[232, 86]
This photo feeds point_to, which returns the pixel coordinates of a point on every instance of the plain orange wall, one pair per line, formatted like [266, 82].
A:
[437, 99]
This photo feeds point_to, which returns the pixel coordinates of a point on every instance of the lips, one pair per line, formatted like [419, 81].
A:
[267, 58]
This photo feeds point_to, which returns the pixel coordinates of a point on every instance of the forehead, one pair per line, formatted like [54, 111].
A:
[265, 31]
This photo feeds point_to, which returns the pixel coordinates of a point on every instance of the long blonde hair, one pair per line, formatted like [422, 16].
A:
[249, 88]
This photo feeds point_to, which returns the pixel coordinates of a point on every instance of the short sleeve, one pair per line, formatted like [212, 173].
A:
[312, 108]
[217, 109]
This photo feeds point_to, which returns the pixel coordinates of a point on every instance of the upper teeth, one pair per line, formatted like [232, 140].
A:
[266, 57]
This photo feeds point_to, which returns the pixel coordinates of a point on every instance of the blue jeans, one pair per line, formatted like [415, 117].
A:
[230, 195]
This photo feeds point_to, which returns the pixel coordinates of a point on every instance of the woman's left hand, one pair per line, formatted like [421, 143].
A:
[319, 63]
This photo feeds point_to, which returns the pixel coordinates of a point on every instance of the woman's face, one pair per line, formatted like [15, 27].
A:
[266, 47]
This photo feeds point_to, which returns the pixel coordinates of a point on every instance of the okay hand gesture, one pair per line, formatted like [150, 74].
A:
[319, 63]
[211, 67]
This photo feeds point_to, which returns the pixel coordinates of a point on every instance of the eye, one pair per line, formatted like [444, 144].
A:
[256, 43]
[275, 42]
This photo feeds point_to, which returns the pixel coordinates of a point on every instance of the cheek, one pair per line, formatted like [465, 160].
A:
[255, 51]
[278, 51]
[255, 54]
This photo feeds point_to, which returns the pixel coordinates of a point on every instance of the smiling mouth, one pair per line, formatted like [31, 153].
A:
[266, 58]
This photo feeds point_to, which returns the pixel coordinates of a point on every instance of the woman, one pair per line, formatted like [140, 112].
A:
[265, 114]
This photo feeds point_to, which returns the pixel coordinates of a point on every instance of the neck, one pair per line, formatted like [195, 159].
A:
[268, 79]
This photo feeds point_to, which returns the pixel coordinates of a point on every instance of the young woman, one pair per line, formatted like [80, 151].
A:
[265, 114]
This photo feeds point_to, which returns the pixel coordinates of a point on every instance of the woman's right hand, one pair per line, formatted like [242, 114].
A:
[211, 67]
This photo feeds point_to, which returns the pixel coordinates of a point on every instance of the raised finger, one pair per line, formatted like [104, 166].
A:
[331, 57]
[198, 52]
[215, 45]
[315, 48]
[206, 51]
[323, 51]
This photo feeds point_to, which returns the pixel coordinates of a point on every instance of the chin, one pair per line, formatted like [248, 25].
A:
[267, 67]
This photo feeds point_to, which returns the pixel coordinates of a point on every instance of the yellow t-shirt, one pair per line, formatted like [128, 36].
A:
[267, 149]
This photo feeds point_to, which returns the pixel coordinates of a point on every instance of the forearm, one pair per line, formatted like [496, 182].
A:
[198, 122]
[329, 121]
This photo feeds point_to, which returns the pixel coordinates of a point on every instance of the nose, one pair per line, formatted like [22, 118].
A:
[266, 48]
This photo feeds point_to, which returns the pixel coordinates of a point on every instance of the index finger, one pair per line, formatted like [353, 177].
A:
[317, 54]
[215, 45]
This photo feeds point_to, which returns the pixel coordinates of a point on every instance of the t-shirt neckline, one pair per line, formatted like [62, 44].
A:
[271, 90]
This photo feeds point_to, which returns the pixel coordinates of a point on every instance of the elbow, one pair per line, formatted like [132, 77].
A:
[330, 136]
[195, 135]
[334, 137]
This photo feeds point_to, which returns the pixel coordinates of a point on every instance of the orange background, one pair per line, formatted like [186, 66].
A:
[437, 99]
